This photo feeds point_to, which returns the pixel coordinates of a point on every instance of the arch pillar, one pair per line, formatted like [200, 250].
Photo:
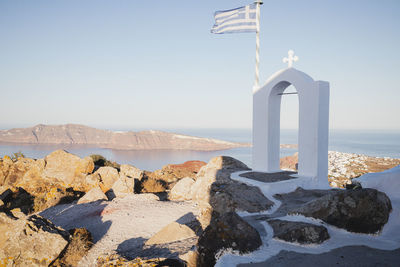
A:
[313, 123]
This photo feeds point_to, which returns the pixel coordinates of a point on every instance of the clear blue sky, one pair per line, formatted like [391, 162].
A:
[155, 64]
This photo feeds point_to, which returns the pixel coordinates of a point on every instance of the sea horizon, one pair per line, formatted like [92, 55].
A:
[377, 143]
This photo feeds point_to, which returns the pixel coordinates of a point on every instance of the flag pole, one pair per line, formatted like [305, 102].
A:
[257, 70]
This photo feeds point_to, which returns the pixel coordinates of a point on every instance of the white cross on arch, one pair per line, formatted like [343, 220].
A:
[290, 59]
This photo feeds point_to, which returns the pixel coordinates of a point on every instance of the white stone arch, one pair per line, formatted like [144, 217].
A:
[313, 123]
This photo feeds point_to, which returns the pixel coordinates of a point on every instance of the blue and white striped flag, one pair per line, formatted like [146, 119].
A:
[242, 19]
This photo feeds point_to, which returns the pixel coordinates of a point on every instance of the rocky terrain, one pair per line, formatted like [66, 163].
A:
[84, 135]
[343, 167]
[98, 213]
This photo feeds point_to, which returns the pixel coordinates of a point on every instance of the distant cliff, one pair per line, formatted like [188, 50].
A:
[84, 135]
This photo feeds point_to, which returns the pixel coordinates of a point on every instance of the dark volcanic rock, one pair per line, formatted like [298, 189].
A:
[299, 232]
[225, 231]
[292, 201]
[235, 195]
[362, 211]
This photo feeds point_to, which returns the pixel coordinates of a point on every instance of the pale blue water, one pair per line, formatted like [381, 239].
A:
[372, 143]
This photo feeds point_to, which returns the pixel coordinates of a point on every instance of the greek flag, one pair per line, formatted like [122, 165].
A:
[242, 19]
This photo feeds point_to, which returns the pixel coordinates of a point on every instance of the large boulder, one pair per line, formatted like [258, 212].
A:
[361, 210]
[215, 190]
[182, 190]
[299, 232]
[13, 172]
[131, 171]
[238, 196]
[226, 231]
[30, 241]
[123, 186]
[67, 167]
[94, 194]
[217, 171]
[105, 177]
[31, 190]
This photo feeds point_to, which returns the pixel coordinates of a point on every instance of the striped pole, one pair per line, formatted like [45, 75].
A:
[257, 74]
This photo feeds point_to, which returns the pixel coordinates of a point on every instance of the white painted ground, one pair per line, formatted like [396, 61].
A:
[387, 239]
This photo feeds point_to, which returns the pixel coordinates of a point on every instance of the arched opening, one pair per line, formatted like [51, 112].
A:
[313, 122]
[289, 125]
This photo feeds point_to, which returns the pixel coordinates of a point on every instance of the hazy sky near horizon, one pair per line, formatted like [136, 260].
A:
[155, 64]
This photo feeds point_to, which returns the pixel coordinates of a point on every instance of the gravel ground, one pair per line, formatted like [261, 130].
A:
[123, 224]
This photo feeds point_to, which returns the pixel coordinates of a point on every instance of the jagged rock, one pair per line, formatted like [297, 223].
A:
[173, 172]
[11, 173]
[226, 231]
[299, 232]
[223, 163]
[93, 195]
[214, 189]
[182, 189]
[238, 196]
[123, 186]
[362, 210]
[105, 177]
[171, 233]
[67, 167]
[30, 241]
[37, 194]
[218, 170]
[131, 171]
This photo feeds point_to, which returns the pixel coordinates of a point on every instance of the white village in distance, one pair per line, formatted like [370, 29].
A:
[215, 201]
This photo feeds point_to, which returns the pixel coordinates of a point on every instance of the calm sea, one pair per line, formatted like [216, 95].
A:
[372, 143]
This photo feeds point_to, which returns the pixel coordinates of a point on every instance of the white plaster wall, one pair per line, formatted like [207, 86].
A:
[313, 123]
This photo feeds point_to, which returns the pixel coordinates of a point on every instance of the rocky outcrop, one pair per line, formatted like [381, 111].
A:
[123, 186]
[226, 231]
[362, 210]
[30, 241]
[94, 194]
[299, 232]
[214, 189]
[238, 196]
[131, 171]
[107, 177]
[83, 135]
[182, 190]
[67, 168]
